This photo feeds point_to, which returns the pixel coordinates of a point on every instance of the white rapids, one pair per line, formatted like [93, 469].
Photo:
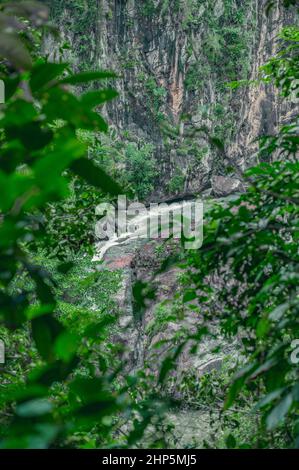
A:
[143, 225]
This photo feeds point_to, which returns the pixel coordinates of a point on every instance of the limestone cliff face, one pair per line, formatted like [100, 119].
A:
[174, 58]
[262, 110]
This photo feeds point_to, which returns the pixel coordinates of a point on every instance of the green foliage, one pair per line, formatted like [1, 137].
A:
[156, 96]
[66, 384]
[176, 183]
[36, 154]
[286, 3]
[148, 8]
[81, 20]
[226, 46]
[224, 56]
[78, 291]
[283, 69]
[140, 169]
[252, 245]
[70, 224]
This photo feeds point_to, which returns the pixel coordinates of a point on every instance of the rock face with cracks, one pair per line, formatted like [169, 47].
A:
[165, 318]
[174, 59]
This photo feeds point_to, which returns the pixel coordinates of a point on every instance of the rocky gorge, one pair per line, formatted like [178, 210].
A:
[178, 64]
[175, 59]
[149, 227]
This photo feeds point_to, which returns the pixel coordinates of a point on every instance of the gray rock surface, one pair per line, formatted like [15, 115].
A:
[169, 88]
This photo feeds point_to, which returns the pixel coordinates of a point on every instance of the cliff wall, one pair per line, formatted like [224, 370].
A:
[174, 59]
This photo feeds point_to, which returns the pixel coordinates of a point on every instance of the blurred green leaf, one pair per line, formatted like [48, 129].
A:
[95, 176]
[33, 408]
[85, 77]
[44, 73]
[278, 413]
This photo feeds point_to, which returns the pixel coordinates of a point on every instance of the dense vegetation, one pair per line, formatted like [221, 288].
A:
[66, 382]
[253, 245]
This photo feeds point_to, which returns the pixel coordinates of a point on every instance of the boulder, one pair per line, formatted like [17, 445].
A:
[225, 185]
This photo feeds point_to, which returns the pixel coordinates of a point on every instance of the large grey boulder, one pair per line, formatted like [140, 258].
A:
[225, 185]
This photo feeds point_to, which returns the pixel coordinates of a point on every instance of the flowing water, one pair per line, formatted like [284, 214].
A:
[190, 426]
[149, 224]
